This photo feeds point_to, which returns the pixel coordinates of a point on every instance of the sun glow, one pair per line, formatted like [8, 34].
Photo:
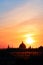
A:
[29, 40]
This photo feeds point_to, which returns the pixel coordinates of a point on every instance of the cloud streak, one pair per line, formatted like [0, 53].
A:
[22, 13]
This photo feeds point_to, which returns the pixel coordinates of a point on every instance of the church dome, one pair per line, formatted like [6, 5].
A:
[22, 46]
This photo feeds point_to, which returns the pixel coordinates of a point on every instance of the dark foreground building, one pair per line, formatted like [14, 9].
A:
[21, 56]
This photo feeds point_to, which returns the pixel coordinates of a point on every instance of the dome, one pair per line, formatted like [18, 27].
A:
[22, 46]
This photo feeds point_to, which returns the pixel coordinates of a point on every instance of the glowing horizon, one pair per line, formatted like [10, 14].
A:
[18, 20]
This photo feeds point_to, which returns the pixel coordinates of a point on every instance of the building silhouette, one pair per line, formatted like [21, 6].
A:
[22, 46]
[8, 47]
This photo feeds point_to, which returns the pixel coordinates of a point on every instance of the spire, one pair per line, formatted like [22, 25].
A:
[8, 47]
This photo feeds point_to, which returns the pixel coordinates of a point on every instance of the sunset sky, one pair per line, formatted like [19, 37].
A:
[19, 20]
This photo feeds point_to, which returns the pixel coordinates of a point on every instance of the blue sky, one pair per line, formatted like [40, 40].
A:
[18, 10]
[6, 5]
